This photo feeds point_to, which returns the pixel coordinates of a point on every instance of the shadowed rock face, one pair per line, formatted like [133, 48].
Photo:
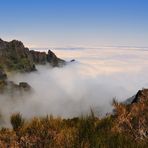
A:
[38, 57]
[141, 95]
[54, 60]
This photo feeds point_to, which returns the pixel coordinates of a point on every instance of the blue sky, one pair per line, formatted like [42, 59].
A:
[74, 23]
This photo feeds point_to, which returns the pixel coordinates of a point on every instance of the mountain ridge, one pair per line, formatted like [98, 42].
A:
[15, 56]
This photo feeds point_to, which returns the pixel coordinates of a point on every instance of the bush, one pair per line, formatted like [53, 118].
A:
[16, 121]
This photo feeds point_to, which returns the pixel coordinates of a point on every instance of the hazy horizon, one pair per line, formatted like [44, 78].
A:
[75, 23]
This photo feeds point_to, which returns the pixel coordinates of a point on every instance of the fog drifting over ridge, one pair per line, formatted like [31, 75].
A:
[97, 76]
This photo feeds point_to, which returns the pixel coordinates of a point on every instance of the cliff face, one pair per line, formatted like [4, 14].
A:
[15, 56]
[38, 57]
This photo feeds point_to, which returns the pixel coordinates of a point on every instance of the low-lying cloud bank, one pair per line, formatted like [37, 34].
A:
[97, 76]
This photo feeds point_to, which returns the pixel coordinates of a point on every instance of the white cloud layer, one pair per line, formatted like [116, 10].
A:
[97, 76]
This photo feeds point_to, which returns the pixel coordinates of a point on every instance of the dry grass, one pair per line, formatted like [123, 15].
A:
[126, 128]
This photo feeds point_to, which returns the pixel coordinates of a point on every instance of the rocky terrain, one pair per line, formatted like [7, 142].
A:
[43, 58]
[14, 56]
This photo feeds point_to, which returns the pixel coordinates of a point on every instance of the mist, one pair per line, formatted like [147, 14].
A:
[92, 81]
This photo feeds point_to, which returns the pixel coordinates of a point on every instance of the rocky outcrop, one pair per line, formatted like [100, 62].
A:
[43, 58]
[38, 57]
[54, 60]
[11, 88]
[141, 95]
[25, 86]
[15, 56]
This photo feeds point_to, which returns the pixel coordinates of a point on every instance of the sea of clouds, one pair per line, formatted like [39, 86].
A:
[96, 77]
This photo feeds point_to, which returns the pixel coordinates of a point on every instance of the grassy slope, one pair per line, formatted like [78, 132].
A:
[82, 132]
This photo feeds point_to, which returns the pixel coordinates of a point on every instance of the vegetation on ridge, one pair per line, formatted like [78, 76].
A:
[112, 131]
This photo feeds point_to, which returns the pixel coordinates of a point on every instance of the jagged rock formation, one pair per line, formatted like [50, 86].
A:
[141, 95]
[43, 58]
[54, 60]
[15, 56]
[38, 57]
